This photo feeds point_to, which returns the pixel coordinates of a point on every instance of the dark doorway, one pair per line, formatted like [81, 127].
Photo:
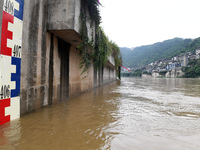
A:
[95, 77]
[64, 49]
[51, 70]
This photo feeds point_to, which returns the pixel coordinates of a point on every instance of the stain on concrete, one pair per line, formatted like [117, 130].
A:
[31, 99]
[42, 95]
[23, 101]
[43, 58]
[33, 44]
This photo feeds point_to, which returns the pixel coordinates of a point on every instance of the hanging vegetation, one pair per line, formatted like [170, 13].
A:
[89, 11]
[95, 51]
[102, 49]
[117, 55]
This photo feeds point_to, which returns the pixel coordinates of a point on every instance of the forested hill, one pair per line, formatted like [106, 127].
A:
[144, 55]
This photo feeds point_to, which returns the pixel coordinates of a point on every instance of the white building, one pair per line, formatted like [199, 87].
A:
[198, 52]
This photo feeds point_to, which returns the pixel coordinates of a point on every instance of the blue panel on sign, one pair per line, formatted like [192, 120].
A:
[16, 76]
[19, 14]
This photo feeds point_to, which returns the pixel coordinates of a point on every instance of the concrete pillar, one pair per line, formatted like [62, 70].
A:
[35, 56]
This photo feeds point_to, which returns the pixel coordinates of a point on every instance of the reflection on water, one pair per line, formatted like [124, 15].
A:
[136, 114]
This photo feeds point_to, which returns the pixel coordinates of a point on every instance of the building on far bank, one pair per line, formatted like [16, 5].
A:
[185, 60]
[172, 66]
[198, 53]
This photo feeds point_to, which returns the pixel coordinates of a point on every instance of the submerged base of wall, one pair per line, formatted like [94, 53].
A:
[72, 96]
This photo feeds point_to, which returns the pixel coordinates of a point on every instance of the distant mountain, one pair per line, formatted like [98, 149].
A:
[143, 55]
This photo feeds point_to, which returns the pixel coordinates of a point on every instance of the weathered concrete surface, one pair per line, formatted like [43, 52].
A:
[111, 60]
[113, 75]
[50, 62]
[56, 72]
[34, 66]
[1, 10]
[108, 74]
[63, 20]
[63, 14]
[176, 72]
[78, 83]
[70, 36]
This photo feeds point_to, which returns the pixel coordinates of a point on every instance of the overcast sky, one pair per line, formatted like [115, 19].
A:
[131, 23]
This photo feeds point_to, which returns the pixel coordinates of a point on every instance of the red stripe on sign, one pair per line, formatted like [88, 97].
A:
[3, 104]
[6, 34]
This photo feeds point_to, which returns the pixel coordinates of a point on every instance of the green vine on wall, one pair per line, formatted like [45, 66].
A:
[89, 8]
[102, 49]
[99, 49]
[117, 56]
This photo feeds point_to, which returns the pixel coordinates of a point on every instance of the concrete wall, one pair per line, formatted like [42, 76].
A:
[56, 72]
[111, 59]
[98, 77]
[174, 73]
[44, 80]
[106, 74]
[35, 57]
[49, 61]
[109, 74]
[64, 14]
[113, 74]
[78, 83]
[64, 21]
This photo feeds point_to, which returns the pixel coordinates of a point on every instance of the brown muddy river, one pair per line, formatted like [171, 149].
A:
[136, 114]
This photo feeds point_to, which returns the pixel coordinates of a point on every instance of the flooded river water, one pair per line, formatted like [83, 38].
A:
[134, 114]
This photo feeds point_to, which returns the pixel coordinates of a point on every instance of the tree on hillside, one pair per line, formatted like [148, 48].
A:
[192, 70]
[144, 55]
